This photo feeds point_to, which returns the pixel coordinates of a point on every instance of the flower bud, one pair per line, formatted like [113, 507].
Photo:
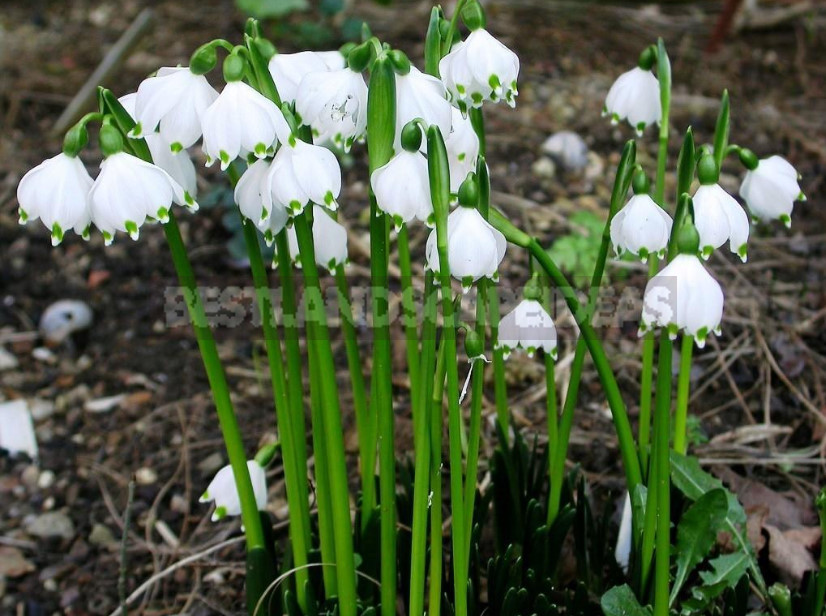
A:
[360, 56]
[640, 183]
[748, 158]
[203, 60]
[111, 141]
[234, 66]
[781, 598]
[411, 138]
[707, 171]
[473, 15]
[469, 192]
[400, 61]
[473, 344]
[266, 454]
[647, 58]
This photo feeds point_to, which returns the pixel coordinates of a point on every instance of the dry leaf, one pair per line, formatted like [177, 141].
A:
[790, 558]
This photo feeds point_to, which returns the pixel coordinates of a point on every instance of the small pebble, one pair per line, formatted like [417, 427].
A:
[568, 149]
[7, 360]
[46, 480]
[146, 476]
[61, 319]
[51, 524]
[544, 168]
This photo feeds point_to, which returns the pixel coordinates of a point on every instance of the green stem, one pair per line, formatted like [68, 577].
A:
[422, 443]
[326, 530]
[253, 532]
[683, 388]
[367, 455]
[319, 337]
[662, 553]
[299, 513]
[451, 31]
[475, 429]
[436, 426]
[295, 388]
[589, 336]
[409, 314]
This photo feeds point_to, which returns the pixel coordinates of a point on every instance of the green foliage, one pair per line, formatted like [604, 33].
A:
[268, 9]
[577, 252]
[621, 601]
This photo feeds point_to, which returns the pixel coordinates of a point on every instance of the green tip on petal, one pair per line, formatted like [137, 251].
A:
[476, 98]
[296, 207]
[205, 497]
[136, 132]
[219, 514]
[643, 255]
[329, 199]
[291, 141]
[260, 150]
[706, 252]
[786, 220]
[672, 330]
[86, 233]
[801, 196]
[107, 238]
[224, 157]
[24, 217]
[398, 222]
[742, 252]
[57, 234]
[176, 147]
[132, 229]
[640, 127]
[163, 214]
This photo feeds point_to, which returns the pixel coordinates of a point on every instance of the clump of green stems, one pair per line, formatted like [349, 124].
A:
[433, 371]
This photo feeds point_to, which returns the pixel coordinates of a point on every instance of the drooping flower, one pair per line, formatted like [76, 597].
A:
[175, 161]
[634, 96]
[462, 146]
[641, 227]
[478, 69]
[528, 327]
[288, 69]
[419, 95]
[334, 104]
[173, 101]
[474, 247]
[128, 190]
[683, 297]
[302, 173]
[56, 192]
[329, 239]
[249, 192]
[770, 188]
[242, 121]
[402, 185]
[223, 491]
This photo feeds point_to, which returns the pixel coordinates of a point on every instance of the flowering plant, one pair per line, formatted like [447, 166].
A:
[275, 129]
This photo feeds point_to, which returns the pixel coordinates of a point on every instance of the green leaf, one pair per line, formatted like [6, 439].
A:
[696, 534]
[621, 601]
[263, 9]
[725, 572]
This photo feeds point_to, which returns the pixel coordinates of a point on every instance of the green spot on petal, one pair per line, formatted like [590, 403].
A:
[163, 214]
[107, 238]
[260, 150]
[176, 147]
[742, 252]
[219, 514]
[706, 252]
[24, 217]
[786, 220]
[224, 157]
[86, 232]
[461, 157]
[132, 229]
[57, 234]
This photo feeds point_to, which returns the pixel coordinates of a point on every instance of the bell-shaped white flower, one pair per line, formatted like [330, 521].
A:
[128, 190]
[329, 239]
[56, 192]
[173, 101]
[528, 327]
[683, 297]
[634, 96]
[175, 161]
[249, 192]
[242, 121]
[474, 247]
[224, 492]
[770, 189]
[334, 104]
[641, 227]
[302, 173]
[419, 95]
[462, 146]
[718, 217]
[402, 188]
[480, 68]
[288, 69]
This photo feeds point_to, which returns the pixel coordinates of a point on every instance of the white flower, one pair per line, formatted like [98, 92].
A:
[635, 96]
[56, 192]
[334, 104]
[329, 239]
[683, 296]
[174, 100]
[478, 69]
[529, 327]
[242, 121]
[474, 248]
[249, 192]
[419, 95]
[128, 190]
[402, 188]
[222, 489]
[641, 227]
[175, 161]
[718, 217]
[302, 173]
[462, 146]
[771, 189]
[288, 69]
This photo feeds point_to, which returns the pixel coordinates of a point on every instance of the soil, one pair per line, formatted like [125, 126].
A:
[758, 391]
